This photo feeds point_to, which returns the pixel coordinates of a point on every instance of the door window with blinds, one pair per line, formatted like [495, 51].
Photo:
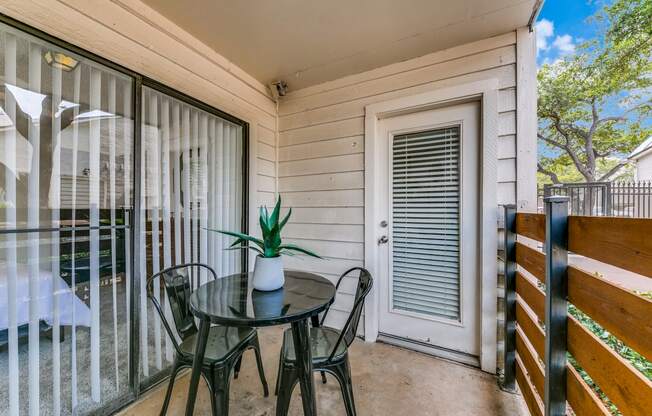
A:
[192, 184]
[74, 253]
[426, 223]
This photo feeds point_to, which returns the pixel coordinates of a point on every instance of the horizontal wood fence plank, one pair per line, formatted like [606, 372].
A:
[533, 332]
[622, 242]
[625, 314]
[532, 295]
[532, 260]
[532, 400]
[531, 362]
[580, 396]
[628, 389]
[531, 225]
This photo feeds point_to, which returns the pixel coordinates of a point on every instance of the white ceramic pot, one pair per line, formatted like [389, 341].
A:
[268, 273]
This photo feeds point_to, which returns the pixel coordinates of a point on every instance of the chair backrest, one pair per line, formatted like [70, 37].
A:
[179, 283]
[350, 329]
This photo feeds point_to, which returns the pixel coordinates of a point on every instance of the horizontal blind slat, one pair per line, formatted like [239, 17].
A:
[425, 222]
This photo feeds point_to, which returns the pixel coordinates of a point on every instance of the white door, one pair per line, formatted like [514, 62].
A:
[429, 281]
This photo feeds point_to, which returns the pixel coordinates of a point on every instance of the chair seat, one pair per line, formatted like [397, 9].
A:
[222, 341]
[322, 341]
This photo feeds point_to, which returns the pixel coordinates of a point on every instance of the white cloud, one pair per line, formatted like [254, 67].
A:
[564, 44]
[552, 62]
[544, 29]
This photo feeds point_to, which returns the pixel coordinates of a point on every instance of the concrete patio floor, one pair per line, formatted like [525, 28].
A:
[388, 381]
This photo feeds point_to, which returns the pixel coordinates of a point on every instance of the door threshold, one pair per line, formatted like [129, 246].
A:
[439, 352]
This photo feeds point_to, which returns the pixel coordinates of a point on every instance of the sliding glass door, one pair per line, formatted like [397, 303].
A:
[66, 151]
[97, 194]
[192, 182]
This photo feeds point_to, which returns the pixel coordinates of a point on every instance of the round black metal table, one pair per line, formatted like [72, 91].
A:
[231, 301]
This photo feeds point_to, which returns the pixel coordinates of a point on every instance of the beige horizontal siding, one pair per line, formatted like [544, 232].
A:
[325, 131]
[321, 146]
[333, 215]
[506, 146]
[333, 249]
[325, 232]
[266, 180]
[334, 147]
[331, 164]
[321, 199]
[322, 181]
[266, 168]
[445, 72]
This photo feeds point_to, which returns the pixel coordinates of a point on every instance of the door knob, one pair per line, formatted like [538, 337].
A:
[383, 240]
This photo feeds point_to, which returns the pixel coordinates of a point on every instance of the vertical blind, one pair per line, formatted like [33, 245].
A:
[425, 222]
[66, 134]
[192, 184]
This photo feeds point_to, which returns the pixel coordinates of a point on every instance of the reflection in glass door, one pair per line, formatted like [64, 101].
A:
[66, 152]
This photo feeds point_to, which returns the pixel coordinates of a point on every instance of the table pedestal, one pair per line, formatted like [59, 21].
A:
[303, 353]
[198, 361]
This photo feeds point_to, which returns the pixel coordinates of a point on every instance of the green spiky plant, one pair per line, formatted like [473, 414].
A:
[271, 244]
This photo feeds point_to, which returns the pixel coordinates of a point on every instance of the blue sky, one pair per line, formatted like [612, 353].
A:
[562, 25]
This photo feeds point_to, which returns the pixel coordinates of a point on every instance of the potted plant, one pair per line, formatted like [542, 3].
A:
[268, 269]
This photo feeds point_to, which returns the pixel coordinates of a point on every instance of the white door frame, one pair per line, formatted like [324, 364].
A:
[486, 92]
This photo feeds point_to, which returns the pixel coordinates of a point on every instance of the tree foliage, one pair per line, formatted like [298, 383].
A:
[591, 104]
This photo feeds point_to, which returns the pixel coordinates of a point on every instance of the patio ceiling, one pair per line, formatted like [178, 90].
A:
[309, 42]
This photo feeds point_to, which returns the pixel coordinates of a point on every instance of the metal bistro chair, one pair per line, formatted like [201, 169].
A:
[329, 350]
[224, 347]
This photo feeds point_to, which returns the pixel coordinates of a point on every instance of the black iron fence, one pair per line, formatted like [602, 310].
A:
[610, 199]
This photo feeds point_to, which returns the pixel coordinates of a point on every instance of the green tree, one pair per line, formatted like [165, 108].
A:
[577, 96]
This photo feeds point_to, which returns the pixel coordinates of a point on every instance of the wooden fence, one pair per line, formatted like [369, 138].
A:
[539, 332]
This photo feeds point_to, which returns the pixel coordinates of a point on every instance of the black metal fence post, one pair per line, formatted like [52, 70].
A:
[556, 248]
[509, 379]
[608, 211]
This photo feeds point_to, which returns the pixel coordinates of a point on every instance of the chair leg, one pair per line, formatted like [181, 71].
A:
[278, 374]
[342, 372]
[323, 377]
[221, 391]
[281, 359]
[214, 410]
[211, 381]
[236, 369]
[173, 375]
[287, 380]
[261, 369]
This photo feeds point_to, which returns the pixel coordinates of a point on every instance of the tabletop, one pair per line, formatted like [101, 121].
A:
[232, 301]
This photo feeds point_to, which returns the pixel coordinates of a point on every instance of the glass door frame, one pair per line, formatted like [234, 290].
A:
[136, 386]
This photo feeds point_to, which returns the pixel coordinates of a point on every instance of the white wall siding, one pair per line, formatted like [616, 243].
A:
[321, 149]
[266, 166]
